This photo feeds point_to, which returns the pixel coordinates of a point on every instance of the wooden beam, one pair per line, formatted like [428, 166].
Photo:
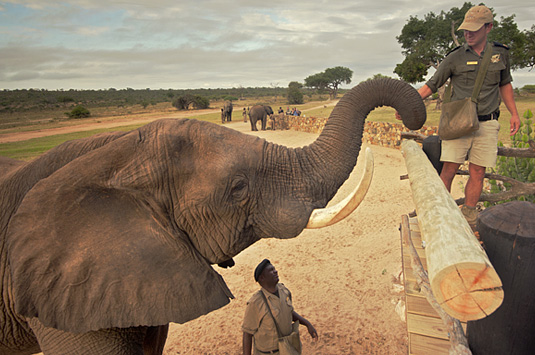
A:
[461, 276]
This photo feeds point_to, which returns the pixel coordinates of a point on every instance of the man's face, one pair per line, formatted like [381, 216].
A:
[270, 275]
[475, 38]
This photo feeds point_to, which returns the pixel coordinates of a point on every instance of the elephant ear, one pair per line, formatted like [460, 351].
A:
[85, 257]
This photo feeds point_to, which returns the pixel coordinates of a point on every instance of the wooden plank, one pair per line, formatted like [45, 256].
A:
[428, 326]
[407, 260]
[423, 345]
[426, 330]
[419, 251]
[419, 305]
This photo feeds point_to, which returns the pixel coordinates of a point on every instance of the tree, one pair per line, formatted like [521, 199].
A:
[506, 32]
[425, 42]
[200, 102]
[378, 76]
[78, 112]
[185, 101]
[330, 80]
[530, 47]
[295, 96]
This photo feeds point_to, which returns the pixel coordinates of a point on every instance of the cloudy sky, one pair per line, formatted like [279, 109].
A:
[180, 44]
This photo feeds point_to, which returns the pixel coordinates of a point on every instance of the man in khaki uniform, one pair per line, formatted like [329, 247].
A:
[258, 323]
[461, 66]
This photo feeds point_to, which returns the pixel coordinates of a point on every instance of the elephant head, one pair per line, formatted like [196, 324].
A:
[121, 231]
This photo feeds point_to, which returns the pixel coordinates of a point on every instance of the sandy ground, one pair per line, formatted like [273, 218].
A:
[344, 278]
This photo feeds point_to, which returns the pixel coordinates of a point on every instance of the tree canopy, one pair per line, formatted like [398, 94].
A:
[425, 42]
[295, 96]
[330, 80]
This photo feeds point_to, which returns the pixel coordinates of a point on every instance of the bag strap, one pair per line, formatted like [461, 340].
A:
[482, 72]
[479, 79]
[269, 310]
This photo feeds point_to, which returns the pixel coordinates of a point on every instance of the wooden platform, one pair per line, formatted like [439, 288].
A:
[427, 332]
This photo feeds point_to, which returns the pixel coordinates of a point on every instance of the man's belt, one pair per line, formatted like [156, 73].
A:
[276, 351]
[490, 116]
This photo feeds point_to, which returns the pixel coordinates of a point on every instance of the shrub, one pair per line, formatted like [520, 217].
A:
[200, 102]
[294, 94]
[185, 101]
[521, 169]
[78, 112]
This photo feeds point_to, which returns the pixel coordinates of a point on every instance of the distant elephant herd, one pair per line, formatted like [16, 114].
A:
[257, 113]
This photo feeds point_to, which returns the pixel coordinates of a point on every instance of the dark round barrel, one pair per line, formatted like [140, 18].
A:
[508, 235]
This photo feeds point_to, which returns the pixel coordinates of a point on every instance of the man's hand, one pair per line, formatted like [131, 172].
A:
[515, 124]
[312, 331]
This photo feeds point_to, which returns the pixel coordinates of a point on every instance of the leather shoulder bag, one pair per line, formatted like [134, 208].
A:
[289, 344]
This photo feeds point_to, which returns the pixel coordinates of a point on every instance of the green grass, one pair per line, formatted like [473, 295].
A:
[29, 149]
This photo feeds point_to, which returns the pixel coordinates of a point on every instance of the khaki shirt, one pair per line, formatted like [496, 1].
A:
[461, 66]
[258, 322]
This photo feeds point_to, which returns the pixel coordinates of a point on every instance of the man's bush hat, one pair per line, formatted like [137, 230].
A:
[260, 268]
[476, 17]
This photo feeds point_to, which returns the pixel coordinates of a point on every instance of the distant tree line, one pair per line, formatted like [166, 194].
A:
[38, 99]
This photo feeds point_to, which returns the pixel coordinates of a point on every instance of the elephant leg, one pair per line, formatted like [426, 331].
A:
[264, 123]
[155, 340]
[114, 341]
[253, 125]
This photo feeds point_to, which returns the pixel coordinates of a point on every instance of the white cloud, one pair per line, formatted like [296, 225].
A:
[91, 31]
[187, 44]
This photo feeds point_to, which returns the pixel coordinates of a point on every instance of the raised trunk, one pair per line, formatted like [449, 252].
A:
[334, 154]
[307, 178]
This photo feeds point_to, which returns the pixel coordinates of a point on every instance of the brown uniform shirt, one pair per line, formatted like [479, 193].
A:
[259, 323]
[462, 64]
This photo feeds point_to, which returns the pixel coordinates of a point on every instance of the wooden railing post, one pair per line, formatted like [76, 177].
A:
[462, 278]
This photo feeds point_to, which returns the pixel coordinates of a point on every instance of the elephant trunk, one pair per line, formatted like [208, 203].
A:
[334, 154]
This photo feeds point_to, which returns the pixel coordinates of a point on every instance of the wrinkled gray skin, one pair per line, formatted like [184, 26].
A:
[105, 240]
[226, 112]
[259, 113]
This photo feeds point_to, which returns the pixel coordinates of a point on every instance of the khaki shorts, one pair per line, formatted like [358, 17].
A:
[480, 147]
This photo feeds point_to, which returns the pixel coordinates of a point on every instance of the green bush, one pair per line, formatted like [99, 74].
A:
[200, 102]
[196, 101]
[294, 95]
[78, 112]
[521, 169]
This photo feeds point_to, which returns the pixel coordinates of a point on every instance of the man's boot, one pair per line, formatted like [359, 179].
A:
[470, 213]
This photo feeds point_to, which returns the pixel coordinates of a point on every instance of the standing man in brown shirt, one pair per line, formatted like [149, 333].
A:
[461, 66]
[258, 323]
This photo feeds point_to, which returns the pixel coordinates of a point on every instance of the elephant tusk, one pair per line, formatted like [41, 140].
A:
[327, 216]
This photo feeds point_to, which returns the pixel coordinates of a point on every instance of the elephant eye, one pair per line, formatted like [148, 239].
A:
[239, 190]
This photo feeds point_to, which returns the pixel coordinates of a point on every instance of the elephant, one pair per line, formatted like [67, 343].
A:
[226, 112]
[259, 113]
[106, 240]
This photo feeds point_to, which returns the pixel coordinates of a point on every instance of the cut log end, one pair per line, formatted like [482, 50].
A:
[469, 291]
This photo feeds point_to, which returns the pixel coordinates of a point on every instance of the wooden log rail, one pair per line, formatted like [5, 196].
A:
[461, 276]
